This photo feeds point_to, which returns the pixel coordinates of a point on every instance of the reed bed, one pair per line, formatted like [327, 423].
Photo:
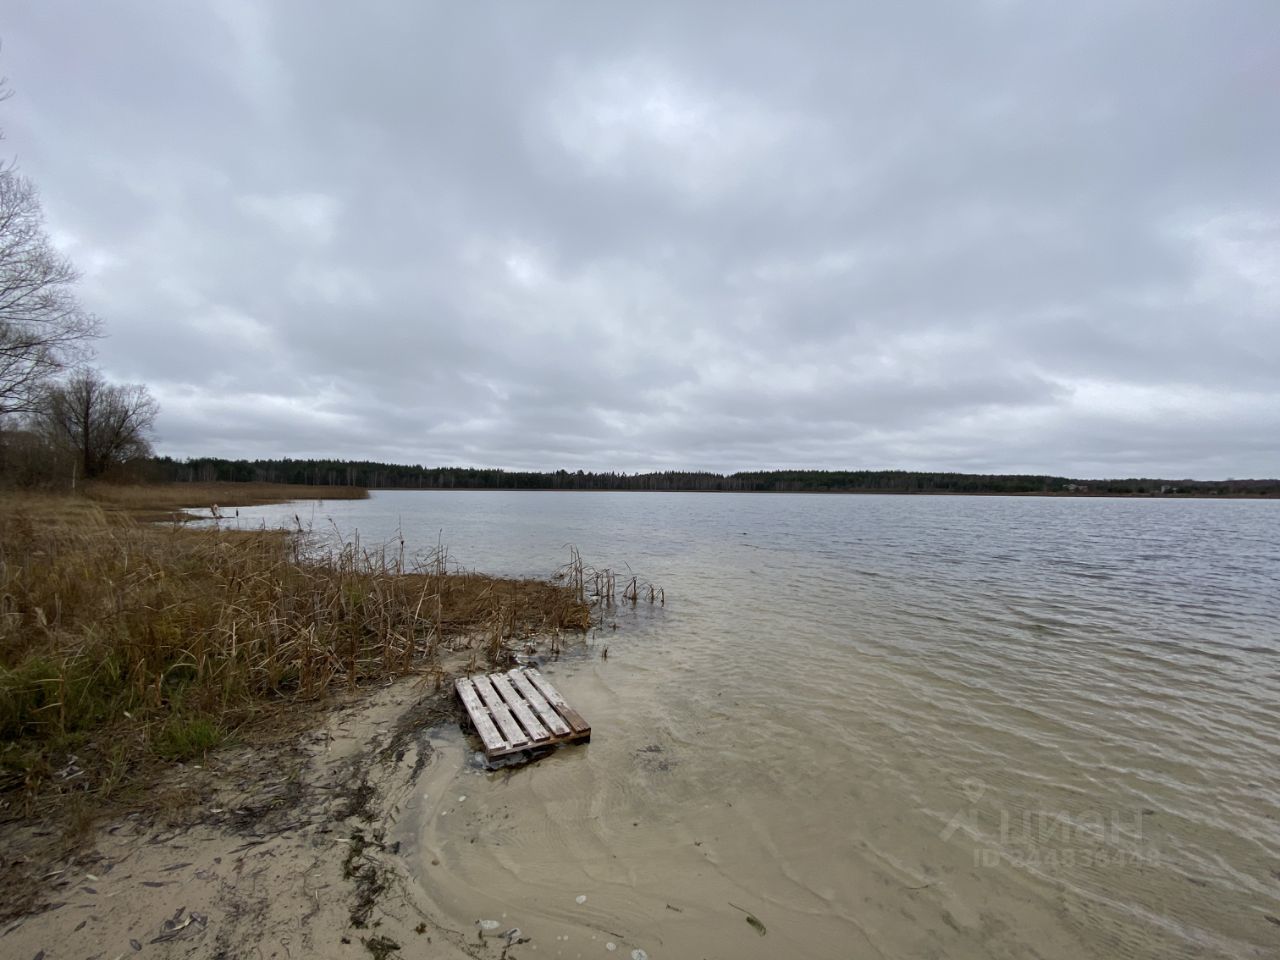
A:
[598, 589]
[164, 500]
[122, 643]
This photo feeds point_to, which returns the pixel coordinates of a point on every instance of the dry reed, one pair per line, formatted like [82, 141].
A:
[122, 642]
[168, 500]
[598, 589]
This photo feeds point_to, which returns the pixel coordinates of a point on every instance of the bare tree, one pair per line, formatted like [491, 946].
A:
[41, 321]
[105, 424]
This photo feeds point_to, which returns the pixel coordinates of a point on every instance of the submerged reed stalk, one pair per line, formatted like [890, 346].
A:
[576, 574]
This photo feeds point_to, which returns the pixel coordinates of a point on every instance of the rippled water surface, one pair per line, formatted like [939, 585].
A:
[882, 726]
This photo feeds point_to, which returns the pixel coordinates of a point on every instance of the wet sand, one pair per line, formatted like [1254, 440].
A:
[279, 853]
[683, 817]
[672, 867]
[382, 828]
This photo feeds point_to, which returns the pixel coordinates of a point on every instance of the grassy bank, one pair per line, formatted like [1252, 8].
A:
[125, 645]
[166, 501]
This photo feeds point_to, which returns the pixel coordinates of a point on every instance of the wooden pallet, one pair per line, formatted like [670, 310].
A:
[519, 711]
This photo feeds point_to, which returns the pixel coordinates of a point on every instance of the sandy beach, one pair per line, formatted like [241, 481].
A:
[279, 851]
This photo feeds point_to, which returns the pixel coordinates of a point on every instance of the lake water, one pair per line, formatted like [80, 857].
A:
[882, 726]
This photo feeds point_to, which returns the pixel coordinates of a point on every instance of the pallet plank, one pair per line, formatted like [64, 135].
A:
[521, 709]
[571, 716]
[519, 713]
[506, 722]
[553, 721]
[480, 718]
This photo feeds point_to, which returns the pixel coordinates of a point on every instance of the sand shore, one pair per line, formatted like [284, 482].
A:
[279, 852]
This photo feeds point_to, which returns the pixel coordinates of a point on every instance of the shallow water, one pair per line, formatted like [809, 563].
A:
[882, 726]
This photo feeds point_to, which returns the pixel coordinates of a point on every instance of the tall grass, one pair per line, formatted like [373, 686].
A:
[163, 500]
[122, 642]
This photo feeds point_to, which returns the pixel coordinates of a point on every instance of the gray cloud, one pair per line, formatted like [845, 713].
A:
[989, 236]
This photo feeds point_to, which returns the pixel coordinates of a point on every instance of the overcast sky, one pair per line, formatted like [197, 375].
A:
[988, 236]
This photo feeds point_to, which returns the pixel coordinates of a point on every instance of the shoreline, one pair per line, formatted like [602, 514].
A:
[223, 752]
[277, 849]
[168, 502]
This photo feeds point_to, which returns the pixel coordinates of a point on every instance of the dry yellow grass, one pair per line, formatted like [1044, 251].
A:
[163, 501]
[124, 643]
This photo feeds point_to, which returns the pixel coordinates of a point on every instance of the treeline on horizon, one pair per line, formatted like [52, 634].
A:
[394, 476]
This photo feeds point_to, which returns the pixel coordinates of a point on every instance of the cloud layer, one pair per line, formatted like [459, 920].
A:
[994, 236]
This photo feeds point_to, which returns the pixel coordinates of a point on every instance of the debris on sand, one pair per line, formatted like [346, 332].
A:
[174, 927]
[753, 920]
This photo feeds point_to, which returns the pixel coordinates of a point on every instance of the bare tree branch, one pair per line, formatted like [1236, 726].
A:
[43, 328]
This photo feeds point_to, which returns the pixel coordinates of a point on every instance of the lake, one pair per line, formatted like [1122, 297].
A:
[880, 726]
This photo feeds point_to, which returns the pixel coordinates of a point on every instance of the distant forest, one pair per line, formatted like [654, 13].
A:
[393, 476]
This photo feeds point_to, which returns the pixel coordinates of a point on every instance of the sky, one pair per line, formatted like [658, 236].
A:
[994, 236]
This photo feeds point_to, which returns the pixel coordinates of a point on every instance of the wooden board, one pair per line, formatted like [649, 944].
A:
[519, 712]
[554, 722]
[506, 722]
[532, 727]
[480, 718]
[570, 715]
